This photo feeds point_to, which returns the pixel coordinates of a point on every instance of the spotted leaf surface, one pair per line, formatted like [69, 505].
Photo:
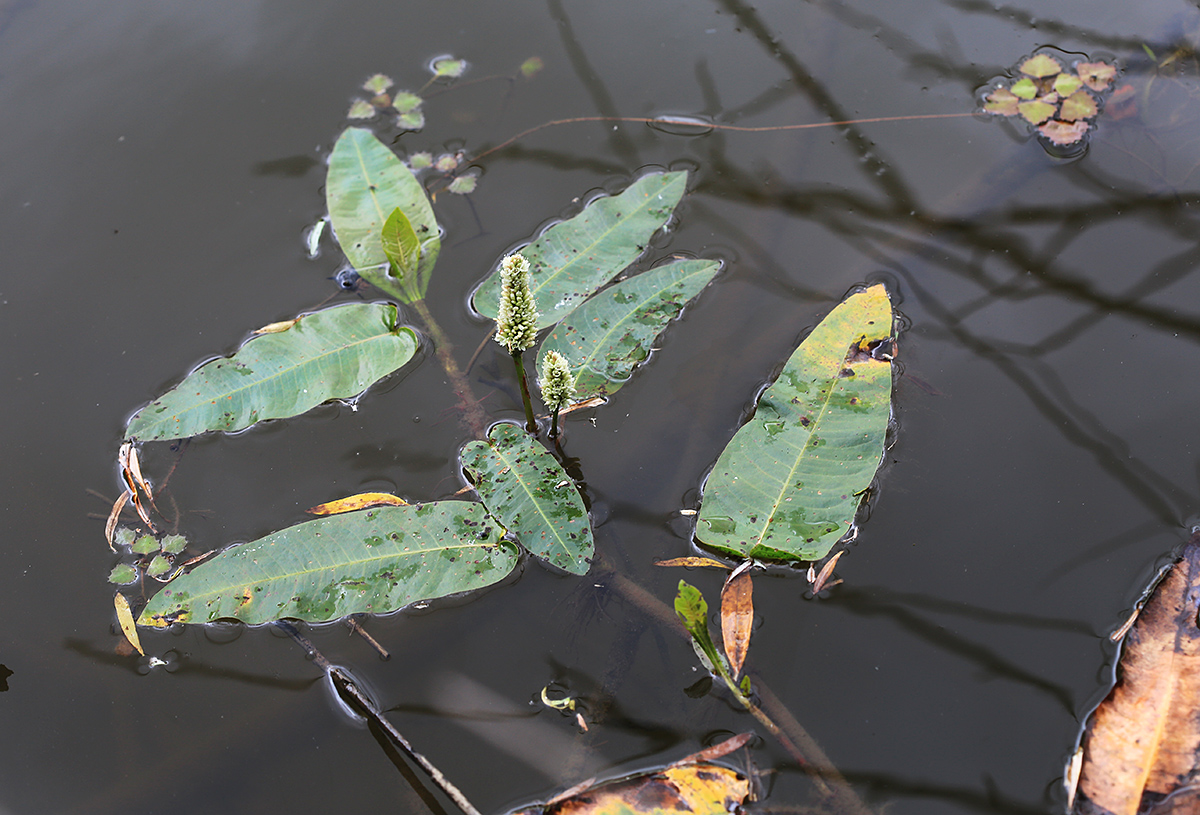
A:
[789, 483]
[572, 259]
[364, 184]
[605, 338]
[332, 354]
[527, 490]
[373, 562]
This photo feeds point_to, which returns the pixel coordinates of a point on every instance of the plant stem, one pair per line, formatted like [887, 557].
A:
[473, 416]
[554, 425]
[530, 423]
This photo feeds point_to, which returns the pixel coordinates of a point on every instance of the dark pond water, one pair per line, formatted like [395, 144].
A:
[161, 161]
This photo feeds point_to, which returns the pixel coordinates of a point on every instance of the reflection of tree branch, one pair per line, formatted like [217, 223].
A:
[973, 612]
[1023, 20]
[86, 649]
[867, 604]
[618, 140]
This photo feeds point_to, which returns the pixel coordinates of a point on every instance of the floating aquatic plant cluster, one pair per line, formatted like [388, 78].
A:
[1060, 103]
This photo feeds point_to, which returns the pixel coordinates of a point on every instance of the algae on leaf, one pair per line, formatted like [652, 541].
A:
[527, 490]
[373, 562]
[789, 483]
[332, 354]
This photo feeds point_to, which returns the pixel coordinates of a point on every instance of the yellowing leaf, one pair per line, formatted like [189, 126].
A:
[276, 328]
[1037, 111]
[1002, 102]
[1079, 105]
[125, 618]
[1041, 66]
[1067, 84]
[355, 502]
[1143, 741]
[698, 789]
[1025, 88]
[692, 561]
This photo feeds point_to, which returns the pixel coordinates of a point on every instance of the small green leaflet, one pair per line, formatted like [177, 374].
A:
[692, 610]
[572, 259]
[788, 485]
[607, 336]
[527, 490]
[336, 353]
[403, 250]
[374, 561]
[364, 184]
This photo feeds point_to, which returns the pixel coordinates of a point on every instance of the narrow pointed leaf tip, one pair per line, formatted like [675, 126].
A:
[608, 336]
[374, 561]
[527, 490]
[789, 483]
[574, 258]
[332, 354]
[364, 184]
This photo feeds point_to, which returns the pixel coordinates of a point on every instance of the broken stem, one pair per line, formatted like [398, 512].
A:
[473, 416]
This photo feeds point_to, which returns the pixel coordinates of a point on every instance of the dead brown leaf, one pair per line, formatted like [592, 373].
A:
[1143, 741]
[356, 502]
[737, 617]
[692, 561]
[276, 328]
[110, 526]
[826, 572]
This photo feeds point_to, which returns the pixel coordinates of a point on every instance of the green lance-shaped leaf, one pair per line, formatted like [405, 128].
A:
[332, 354]
[572, 259]
[373, 561]
[403, 249]
[365, 183]
[788, 485]
[606, 337]
[692, 610]
[527, 490]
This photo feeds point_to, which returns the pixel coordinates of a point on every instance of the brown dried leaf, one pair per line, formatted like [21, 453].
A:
[737, 618]
[110, 526]
[699, 789]
[125, 618]
[826, 573]
[1002, 102]
[356, 502]
[1144, 739]
[718, 750]
[692, 561]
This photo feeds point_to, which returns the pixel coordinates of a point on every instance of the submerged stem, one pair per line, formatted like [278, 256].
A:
[473, 416]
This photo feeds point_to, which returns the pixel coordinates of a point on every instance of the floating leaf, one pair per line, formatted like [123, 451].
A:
[1143, 741]
[361, 109]
[125, 618]
[1097, 75]
[1041, 66]
[1067, 84]
[448, 67]
[159, 566]
[606, 337]
[463, 185]
[174, 544]
[737, 618]
[527, 490]
[406, 102]
[1037, 111]
[788, 485]
[419, 161]
[122, 573]
[374, 562]
[698, 789]
[445, 163]
[1061, 133]
[1025, 88]
[1002, 102]
[1079, 105]
[124, 536]
[363, 500]
[378, 83]
[413, 120]
[572, 259]
[364, 184]
[332, 354]
[705, 562]
[531, 66]
[145, 545]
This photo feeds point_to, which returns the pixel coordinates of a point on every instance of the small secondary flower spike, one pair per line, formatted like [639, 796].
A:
[557, 385]
[516, 322]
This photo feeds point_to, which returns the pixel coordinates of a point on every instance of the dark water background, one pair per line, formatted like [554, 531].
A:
[160, 163]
